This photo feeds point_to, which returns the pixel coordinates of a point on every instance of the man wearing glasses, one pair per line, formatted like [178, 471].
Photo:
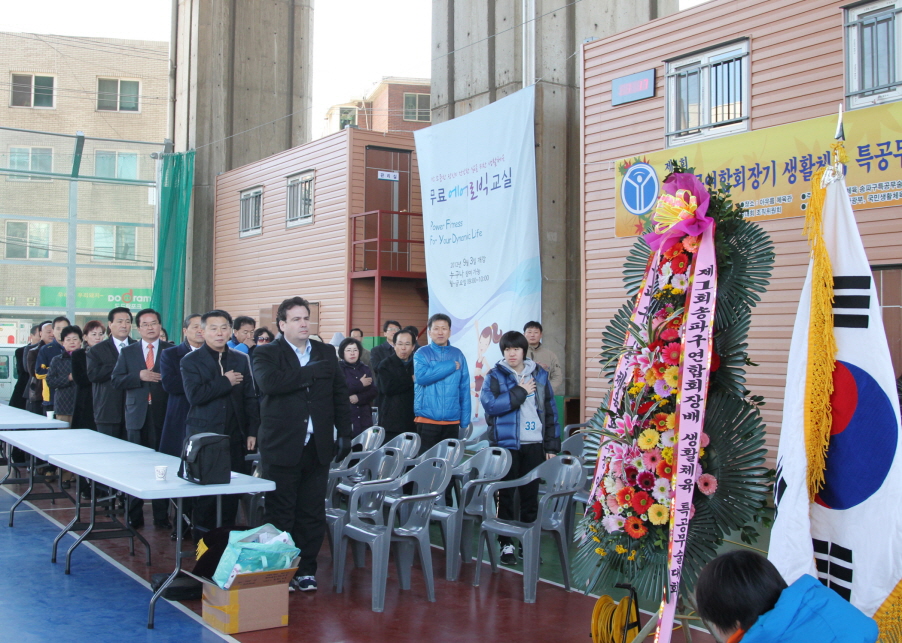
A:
[137, 372]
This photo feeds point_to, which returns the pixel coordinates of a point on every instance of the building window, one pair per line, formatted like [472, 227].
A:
[416, 108]
[30, 159]
[27, 240]
[251, 219]
[30, 90]
[115, 95]
[299, 199]
[873, 56]
[708, 94]
[347, 116]
[115, 165]
[114, 243]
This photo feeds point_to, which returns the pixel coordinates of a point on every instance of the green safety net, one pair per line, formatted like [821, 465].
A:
[168, 296]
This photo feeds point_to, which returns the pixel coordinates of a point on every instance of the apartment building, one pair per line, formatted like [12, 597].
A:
[80, 120]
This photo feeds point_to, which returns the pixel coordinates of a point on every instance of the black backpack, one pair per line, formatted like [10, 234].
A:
[206, 459]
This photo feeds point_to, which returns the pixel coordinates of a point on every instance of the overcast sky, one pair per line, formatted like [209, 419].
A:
[355, 42]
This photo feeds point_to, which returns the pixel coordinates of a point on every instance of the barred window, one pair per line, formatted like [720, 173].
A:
[299, 199]
[707, 94]
[251, 218]
[873, 55]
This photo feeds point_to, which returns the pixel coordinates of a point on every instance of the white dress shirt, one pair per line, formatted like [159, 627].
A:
[304, 358]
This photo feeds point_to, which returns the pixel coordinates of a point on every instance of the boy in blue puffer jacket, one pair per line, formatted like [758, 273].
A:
[522, 418]
[742, 597]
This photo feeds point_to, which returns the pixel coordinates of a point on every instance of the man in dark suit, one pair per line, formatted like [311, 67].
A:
[173, 435]
[34, 390]
[17, 399]
[220, 389]
[304, 399]
[137, 372]
[109, 402]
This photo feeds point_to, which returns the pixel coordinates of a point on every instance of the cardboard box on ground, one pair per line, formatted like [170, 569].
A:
[255, 601]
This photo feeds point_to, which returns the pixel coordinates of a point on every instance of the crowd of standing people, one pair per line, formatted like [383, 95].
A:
[286, 395]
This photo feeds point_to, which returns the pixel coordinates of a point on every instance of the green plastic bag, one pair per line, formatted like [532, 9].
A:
[261, 549]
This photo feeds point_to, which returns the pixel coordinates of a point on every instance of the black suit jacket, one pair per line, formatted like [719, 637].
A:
[173, 436]
[291, 394]
[126, 376]
[17, 399]
[208, 392]
[109, 402]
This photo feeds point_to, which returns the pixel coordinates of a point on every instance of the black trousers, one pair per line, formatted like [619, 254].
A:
[204, 510]
[432, 434]
[148, 436]
[298, 505]
[524, 460]
[114, 430]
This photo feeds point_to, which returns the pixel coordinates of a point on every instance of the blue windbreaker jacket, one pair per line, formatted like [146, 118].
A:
[441, 390]
[809, 612]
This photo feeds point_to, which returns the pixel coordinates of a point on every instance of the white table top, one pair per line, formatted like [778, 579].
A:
[133, 473]
[45, 443]
[12, 419]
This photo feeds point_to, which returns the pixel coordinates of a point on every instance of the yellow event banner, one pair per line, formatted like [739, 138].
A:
[769, 170]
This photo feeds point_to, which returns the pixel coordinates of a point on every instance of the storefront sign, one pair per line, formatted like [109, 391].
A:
[97, 298]
[769, 170]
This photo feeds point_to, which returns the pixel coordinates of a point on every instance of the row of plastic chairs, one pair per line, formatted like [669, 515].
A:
[374, 486]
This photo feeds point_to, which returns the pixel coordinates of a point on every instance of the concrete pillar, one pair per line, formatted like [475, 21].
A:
[470, 70]
[243, 79]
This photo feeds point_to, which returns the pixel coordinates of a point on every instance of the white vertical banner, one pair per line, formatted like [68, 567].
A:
[480, 227]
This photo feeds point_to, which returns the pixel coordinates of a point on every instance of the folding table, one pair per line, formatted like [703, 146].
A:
[134, 473]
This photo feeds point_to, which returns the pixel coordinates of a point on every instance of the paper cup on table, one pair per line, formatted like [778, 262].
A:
[160, 472]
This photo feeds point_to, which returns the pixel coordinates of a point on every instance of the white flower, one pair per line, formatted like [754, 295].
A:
[668, 438]
[661, 490]
[680, 281]
[609, 484]
[613, 523]
[666, 273]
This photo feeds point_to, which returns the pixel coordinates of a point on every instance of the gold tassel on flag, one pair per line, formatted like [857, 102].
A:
[821, 342]
[889, 617]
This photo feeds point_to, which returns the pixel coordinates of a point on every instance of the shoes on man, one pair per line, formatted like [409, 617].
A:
[507, 555]
[302, 584]
[162, 524]
[520, 553]
[136, 524]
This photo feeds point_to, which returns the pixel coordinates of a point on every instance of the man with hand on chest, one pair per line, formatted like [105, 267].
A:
[222, 398]
[304, 401]
[137, 372]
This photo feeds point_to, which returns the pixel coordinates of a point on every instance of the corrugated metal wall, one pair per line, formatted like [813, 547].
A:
[796, 57]
[311, 260]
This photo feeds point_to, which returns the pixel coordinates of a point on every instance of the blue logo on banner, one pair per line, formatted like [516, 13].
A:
[639, 189]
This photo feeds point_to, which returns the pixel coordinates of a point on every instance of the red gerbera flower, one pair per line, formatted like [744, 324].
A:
[655, 344]
[630, 474]
[646, 480]
[673, 251]
[659, 421]
[679, 264]
[665, 470]
[669, 334]
[715, 362]
[596, 509]
[671, 354]
[676, 322]
[635, 527]
[625, 496]
[641, 502]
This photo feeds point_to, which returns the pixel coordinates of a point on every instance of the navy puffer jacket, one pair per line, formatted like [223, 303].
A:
[501, 398]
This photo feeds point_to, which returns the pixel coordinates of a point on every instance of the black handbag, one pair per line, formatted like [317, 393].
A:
[206, 459]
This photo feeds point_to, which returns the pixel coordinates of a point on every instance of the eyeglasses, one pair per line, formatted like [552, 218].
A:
[263, 340]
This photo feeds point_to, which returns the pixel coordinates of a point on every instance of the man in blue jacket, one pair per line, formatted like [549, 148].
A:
[441, 378]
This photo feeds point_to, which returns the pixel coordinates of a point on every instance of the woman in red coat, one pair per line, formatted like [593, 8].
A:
[361, 388]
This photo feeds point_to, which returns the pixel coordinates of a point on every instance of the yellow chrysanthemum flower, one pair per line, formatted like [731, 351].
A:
[648, 439]
[600, 551]
[632, 555]
[701, 452]
[620, 549]
[596, 539]
[658, 514]
[672, 376]
[667, 454]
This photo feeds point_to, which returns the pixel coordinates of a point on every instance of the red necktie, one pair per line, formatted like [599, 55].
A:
[148, 362]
